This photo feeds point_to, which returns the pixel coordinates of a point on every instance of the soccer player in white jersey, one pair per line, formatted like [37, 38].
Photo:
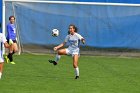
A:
[73, 38]
[4, 41]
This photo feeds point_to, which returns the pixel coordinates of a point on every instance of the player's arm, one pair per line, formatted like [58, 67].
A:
[9, 34]
[9, 31]
[81, 38]
[62, 44]
[59, 46]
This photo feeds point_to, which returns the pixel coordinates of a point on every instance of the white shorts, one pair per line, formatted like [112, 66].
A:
[71, 51]
[1, 60]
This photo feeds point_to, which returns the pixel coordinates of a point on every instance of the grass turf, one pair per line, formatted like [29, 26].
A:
[34, 74]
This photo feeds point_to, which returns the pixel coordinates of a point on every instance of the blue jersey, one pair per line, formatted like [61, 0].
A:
[11, 31]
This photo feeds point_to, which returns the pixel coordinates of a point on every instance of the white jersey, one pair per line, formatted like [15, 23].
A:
[3, 40]
[74, 40]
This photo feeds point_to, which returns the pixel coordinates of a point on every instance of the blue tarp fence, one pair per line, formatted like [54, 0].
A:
[102, 26]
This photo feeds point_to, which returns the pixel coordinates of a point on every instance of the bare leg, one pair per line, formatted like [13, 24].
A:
[10, 53]
[75, 65]
[58, 56]
[13, 48]
[1, 69]
[59, 53]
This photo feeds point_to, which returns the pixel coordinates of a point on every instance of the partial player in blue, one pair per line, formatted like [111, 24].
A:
[11, 39]
[73, 38]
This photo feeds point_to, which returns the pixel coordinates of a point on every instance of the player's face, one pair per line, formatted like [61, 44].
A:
[71, 30]
[12, 20]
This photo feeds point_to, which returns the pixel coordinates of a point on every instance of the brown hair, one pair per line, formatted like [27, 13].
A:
[76, 29]
[11, 17]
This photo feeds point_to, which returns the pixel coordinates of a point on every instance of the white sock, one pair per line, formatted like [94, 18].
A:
[57, 58]
[0, 75]
[77, 71]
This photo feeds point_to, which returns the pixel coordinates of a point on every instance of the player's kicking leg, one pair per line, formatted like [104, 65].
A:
[58, 56]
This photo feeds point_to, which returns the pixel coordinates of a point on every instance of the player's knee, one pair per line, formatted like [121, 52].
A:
[59, 52]
[15, 50]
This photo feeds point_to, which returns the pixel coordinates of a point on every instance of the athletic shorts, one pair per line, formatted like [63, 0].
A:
[14, 41]
[71, 51]
[1, 60]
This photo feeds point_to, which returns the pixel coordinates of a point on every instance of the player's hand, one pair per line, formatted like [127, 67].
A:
[10, 41]
[83, 41]
[55, 48]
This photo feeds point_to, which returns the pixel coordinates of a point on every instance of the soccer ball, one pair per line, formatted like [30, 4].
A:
[55, 32]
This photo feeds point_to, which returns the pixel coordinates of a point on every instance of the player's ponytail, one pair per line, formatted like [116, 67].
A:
[76, 29]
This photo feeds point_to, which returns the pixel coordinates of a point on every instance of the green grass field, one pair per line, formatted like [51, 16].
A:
[34, 74]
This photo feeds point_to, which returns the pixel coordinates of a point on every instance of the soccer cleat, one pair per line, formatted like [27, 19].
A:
[76, 77]
[13, 63]
[6, 58]
[51, 61]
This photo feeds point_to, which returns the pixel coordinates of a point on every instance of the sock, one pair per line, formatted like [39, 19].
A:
[0, 75]
[57, 58]
[10, 56]
[77, 71]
